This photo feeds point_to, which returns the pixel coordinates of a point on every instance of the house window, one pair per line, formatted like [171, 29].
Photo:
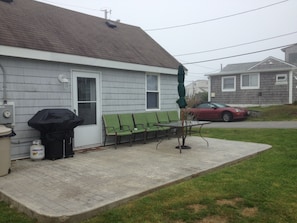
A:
[228, 83]
[281, 79]
[250, 81]
[152, 91]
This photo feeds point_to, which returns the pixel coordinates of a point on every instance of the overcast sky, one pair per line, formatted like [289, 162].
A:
[204, 25]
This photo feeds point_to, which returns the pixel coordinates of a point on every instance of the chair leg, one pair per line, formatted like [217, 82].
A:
[116, 141]
[105, 139]
[144, 137]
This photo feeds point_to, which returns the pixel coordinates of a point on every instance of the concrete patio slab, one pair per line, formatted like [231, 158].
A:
[73, 189]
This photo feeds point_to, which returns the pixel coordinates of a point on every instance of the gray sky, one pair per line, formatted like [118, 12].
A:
[215, 24]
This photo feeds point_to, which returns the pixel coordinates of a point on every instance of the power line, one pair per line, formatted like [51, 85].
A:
[237, 45]
[214, 19]
[238, 55]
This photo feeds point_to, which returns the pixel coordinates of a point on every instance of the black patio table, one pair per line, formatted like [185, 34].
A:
[183, 128]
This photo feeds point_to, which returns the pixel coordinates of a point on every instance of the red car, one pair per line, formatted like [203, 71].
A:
[215, 111]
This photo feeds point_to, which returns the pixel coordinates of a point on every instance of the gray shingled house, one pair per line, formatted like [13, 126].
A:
[51, 57]
[268, 82]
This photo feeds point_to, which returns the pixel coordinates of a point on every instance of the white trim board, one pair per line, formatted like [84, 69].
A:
[82, 60]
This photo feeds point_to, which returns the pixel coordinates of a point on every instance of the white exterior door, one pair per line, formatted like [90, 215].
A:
[86, 104]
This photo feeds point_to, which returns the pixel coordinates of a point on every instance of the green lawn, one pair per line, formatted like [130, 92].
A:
[261, 189]
[275, 113]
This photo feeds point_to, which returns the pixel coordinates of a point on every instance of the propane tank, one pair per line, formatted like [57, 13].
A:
[37, 150]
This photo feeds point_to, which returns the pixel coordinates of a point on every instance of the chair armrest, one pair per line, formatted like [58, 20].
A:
[110, 129]
[140, 126]
[125, 127]
[151, 124]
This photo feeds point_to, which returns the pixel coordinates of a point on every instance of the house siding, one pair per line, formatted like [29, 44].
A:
[291, 54]
[273, 93]
[268, 93]
[33, 85]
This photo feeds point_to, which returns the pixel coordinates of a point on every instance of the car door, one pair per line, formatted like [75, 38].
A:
[208, 111]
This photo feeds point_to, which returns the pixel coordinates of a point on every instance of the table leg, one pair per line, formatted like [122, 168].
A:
[200, 129]
[179, 145]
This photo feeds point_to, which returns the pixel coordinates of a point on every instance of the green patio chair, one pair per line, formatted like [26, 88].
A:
[115, 129]
[127, 120]
[152, 119]
[162, 117]
[173, 116]
[141, 122]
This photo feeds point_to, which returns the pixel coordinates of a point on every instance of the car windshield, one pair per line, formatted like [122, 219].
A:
[220, 105]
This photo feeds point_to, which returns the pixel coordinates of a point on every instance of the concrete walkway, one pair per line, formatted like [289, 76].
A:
[73, 189]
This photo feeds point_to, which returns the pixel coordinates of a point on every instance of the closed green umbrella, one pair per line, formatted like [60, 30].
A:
[181, 87]
[181, 101]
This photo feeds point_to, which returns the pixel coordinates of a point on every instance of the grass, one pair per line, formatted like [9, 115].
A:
[261, 189]
[274, 113]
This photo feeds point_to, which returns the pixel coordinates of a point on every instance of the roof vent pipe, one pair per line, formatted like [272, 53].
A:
[4, 85]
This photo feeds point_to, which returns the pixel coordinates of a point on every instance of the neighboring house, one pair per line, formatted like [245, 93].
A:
[268, 82]
[196, 87]
[51, 57]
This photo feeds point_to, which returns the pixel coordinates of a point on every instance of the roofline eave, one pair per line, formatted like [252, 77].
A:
[81, 60]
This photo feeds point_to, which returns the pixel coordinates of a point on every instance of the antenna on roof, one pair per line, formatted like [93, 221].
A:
[106, 11]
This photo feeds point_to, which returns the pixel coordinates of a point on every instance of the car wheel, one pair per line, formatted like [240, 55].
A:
[227, 117]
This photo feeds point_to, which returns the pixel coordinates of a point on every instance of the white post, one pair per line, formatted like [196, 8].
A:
[291, 87]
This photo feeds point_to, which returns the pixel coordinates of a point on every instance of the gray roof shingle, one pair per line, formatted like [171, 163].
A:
[268, 64]
[35, 25]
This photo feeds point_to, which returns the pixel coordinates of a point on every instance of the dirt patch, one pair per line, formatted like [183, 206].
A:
[89, 149]
[213, 219]
[232, 202]
[197, 207]
[249, 212]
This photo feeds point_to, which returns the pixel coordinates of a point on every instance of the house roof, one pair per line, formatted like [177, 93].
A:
[238, 67]
[288, 47]
[33, 25]
[266, 65]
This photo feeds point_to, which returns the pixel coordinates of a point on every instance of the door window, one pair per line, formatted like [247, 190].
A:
[86, 94]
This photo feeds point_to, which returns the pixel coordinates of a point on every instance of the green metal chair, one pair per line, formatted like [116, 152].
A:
[163, 117]
[141, 122]
[115, 129]
[152, 119]
[173, 116]
[127, 120]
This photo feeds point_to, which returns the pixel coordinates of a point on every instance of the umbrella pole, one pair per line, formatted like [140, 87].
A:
[183, 130]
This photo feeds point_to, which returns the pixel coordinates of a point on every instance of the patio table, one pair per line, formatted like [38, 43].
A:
[183, 128]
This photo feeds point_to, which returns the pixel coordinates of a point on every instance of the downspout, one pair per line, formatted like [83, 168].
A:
[291, 87]
[4, 85]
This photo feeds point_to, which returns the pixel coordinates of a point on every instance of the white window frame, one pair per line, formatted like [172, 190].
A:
[250, 87]
[152, 91]
[281, 79]
[234, 84]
